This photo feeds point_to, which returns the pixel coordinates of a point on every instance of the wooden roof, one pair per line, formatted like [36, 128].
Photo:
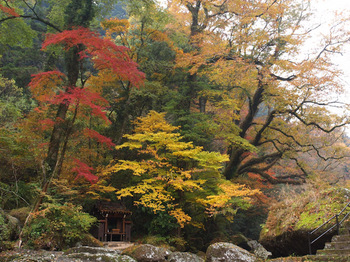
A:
[112, 207]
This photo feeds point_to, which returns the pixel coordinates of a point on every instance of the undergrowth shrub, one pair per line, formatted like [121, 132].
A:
[171, 242]
[56, 227]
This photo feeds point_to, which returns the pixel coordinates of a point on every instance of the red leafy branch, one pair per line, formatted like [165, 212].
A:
[84, 171]
[9, 11]
[83, 96]
[98, 137]
[104, 53]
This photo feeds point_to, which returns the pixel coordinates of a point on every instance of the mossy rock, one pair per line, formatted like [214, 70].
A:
[184, 257]
[89, 240]
[147, 253]
[100, 257]
[221, 252]
[20, 213]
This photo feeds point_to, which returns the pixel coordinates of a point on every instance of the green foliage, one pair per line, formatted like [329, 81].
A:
[12, 102]
[57, 12]
[199, 128]
[15, 33]
[14, 157]
[17, 194]
[110, 8]
[163, 224]
[15, 160]
[58, 226]
[156, 240]
[147, 12]
[79, 13]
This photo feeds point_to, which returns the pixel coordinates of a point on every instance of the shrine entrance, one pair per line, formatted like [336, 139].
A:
[114, 222]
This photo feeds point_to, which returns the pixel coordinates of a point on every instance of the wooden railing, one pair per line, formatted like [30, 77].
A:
[335, 225]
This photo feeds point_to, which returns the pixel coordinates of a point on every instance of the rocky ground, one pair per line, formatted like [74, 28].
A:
[126, 252]
[137, 253]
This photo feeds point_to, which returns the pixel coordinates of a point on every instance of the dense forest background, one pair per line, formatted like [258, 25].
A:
[199, 115]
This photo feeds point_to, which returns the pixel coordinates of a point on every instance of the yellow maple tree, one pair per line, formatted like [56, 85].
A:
[167, 168]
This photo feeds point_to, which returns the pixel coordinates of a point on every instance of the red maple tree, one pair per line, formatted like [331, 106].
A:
[56, 88]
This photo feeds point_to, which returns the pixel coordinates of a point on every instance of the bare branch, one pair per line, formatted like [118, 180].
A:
[289, 78]
[316, 124]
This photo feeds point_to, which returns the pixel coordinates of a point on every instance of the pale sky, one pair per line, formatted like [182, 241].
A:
[325, 16]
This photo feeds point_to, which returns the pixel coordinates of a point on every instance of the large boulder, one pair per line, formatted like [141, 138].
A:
[86, 253]
[81, 254]
[184, 257]
[258, 249]
[25, 255]
[148, 253]
[103, 257]
[222, 252]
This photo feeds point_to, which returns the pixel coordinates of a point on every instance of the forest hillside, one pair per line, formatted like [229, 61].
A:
[199, 121]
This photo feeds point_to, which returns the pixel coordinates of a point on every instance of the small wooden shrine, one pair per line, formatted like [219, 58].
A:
[114, 222]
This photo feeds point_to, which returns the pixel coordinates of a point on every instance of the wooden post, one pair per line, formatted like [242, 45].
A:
[337, 221]
[123, 228]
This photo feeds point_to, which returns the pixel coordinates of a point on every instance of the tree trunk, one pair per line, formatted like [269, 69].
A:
[72, 64]
[235, 153]
[202, 104]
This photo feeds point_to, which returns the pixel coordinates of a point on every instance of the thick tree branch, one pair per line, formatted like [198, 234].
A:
[288, 79]
[32, 18]
[267, 123]
[260, 160]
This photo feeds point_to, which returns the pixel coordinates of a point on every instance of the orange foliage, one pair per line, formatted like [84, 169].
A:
[115, 25]
[44, 85]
